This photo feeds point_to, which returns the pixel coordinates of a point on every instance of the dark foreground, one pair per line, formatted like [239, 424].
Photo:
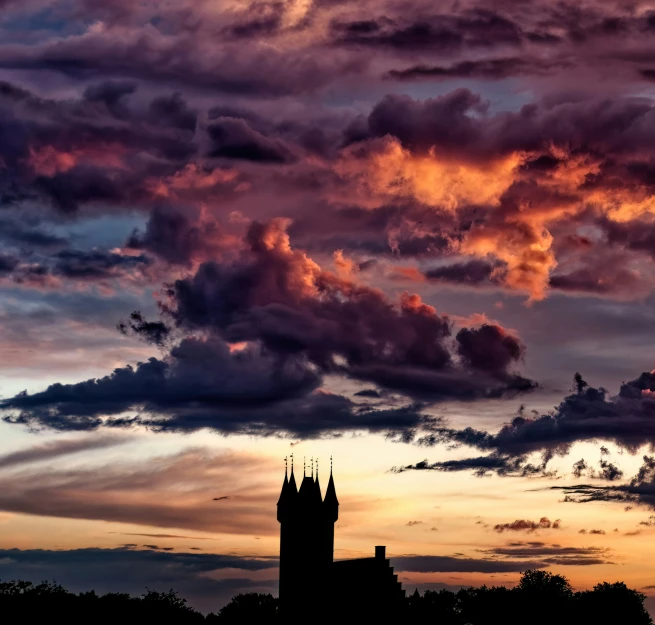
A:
[539, 598]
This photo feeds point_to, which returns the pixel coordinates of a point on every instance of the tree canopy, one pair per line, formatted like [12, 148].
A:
[539, 598]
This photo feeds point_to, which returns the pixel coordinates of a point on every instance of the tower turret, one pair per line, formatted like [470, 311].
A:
[331, 503]
[288, 494]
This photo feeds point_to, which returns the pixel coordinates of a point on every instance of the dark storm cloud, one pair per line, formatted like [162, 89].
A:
[449, 564]
[489, 69]
[71, 152]
[637, 234]
[488, 348]
[155, 332]
[640, 490]
[458, 123]
[204, 385]
[91, 266]
[444, 33]
[470, 272]
[552, 554]
[131, 570]
[172, 111]
[607, 470]
[589, 414]
[280, 297]
[8, 264]
[186, 59]
[113, 94]
[300, 323]
[22, 232]
[445, 121]
[83, 184]
[615, 281]
[234, 139]
[95, 264]
[200, 378]
[369, 392]
[176, 237]
[480, 466]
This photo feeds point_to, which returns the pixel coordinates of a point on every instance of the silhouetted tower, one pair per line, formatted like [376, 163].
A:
[306, 542]
[286, 514]
[330, 516]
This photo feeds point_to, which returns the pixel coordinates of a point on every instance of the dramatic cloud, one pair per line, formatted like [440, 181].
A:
[178, 239]
[282, 298]
[607, 471]
[278, 323]
[515, 557]
[640, 490]
[450, 564]
[552, 554]
[481, 466]
[521, 525]
[589, 414]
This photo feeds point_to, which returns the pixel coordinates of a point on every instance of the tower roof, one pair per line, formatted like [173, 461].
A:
[293, 489]
[331, 492]
[317, 486]
[331, 503]
[289, 491]
[285, 490]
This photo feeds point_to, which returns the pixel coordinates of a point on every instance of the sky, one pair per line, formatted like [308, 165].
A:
[415, 237]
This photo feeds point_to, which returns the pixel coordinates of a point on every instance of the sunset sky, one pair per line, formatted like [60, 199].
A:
[418, 237]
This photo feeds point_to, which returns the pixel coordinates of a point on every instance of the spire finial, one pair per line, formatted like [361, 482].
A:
[304, 466]
[312, 461]
[291, 463]
[330, 465]
[317, 469]
[286, 465]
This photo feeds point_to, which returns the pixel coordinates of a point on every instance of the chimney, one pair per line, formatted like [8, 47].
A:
[380, 552]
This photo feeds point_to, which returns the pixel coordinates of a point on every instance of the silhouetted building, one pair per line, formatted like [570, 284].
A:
[310, 581]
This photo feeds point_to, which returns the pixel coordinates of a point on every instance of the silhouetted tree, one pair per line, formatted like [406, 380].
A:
[476, 605]
[612, 603]
[539, 598]
[252, 607]
[434, 606]
[546, 597]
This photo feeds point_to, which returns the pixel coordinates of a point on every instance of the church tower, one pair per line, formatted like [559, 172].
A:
[306, 541]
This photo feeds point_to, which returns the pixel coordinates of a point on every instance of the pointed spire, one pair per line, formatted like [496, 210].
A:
[285, 487]
[317, 486]
[312, 461]
[331, 503]
[293, 489]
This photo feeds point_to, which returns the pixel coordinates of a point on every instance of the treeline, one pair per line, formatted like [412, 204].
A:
[25, 602]
[540, 598]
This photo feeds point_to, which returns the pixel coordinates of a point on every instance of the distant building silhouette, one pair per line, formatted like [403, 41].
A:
[310, 581]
